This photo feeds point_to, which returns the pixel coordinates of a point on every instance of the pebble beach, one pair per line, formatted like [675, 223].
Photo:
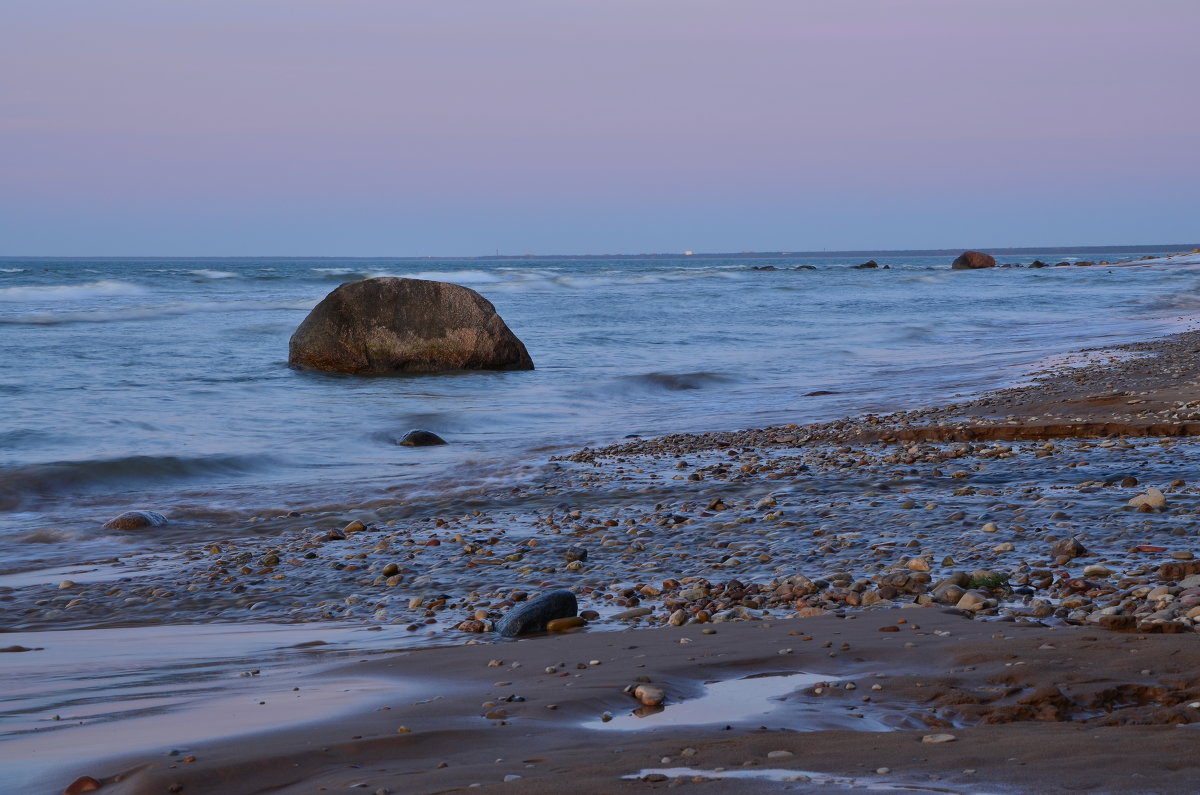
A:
[910, 561]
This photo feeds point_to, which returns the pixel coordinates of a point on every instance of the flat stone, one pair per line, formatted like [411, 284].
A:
[563, 624]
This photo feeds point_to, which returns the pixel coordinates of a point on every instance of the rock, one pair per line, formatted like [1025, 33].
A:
[1068, 548]
[394, 325]
[948, 593]
[1153, 498]
[135, 520]
[934, 739]
[82, 784]
[576, 553]
[805, 268]
[564, 624]
[866, 265]
[417, 438]
[972, 600]
[636, 612]
[1037, 263]
[650, 696]
[532, 616]
[354, 527]
[917, 564]
[973, 260]
[780, 754]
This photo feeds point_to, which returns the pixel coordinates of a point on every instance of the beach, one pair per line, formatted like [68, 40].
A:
[1016, 570]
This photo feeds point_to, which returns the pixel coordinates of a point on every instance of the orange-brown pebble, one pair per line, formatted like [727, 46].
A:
[82, 784]
[563, 624]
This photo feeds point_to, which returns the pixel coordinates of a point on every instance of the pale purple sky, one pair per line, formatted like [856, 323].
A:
[394, 128]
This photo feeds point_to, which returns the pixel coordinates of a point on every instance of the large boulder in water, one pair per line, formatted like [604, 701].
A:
[973, 260]
[532, 616]
[393, 325]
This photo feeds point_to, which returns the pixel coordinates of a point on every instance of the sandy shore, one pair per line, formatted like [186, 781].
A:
[1030, 709]
[972, 579]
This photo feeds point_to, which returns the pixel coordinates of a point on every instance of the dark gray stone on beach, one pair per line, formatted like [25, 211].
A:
[135, 520]
[421, 439]
[394, 325]
[973, 260]
[533, 615]
[576, 553]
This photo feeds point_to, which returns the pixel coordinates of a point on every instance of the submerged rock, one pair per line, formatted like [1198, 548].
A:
[394, 325]
[973, 260]
[534, 615]
[135, 520]
[421, 439]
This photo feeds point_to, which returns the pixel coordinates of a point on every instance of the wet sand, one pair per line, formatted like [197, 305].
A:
[735, 547]
[1030, 709]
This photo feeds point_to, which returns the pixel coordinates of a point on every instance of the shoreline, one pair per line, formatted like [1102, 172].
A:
[839, 526]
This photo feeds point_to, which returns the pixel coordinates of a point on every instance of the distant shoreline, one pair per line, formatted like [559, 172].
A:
[914, 252]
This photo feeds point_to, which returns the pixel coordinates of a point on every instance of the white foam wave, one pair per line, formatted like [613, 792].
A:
[207, 274]
[460, 277]
[12, 270]
[69, 292]
[149, 313]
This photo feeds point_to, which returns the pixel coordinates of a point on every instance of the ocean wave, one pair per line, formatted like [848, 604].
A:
[207, 274]
[674, 382]
[19, 484]
[462, 277]
[150, 312]
[69, 292]
[12, 270]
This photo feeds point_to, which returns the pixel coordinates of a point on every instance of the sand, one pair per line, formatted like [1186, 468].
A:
[1031, 709]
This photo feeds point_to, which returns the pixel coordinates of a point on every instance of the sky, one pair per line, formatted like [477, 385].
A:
[471, 127]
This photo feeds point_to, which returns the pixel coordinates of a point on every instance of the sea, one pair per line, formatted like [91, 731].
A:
[163, 384]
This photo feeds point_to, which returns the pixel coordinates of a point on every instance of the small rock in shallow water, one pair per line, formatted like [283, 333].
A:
[650, 696]
[1068, 547]
[135, 520]
[421, 439]
[1153, 498]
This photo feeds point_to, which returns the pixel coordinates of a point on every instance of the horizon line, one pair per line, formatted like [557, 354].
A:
[686, 254]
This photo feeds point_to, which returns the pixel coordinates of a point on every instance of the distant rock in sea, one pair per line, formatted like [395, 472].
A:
[869, 264]
[973, 260]
[395, 325]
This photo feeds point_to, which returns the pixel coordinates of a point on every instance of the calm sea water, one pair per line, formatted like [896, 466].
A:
[164, 384]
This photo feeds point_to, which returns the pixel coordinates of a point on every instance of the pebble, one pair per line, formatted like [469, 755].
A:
[935, 739]
[779, 754]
